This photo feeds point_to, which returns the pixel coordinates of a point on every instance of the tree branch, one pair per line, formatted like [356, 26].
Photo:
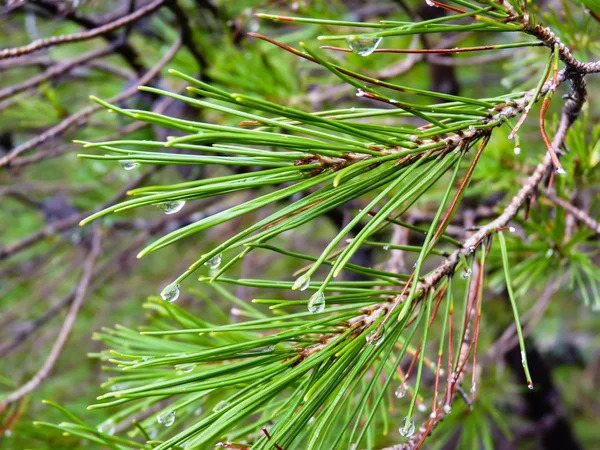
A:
[39, 44]
[63, 335]
[580, 215]
[83, 114]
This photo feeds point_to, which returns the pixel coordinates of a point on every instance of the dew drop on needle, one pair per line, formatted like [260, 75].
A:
[170, 293]
[316, 303]
[407, 428]
[363, 45]
[214, 262]
[171, 207]
[167, 419]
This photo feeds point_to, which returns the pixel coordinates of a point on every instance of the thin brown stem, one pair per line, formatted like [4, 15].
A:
[83, 114]
[63, 335]
[39, 44]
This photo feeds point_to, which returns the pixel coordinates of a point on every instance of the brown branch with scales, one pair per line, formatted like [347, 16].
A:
[569, 114]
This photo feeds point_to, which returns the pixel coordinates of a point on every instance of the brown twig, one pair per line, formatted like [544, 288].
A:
[83, 114]
[159, 107]
[425, 50]
[580, 215]
[63, 335]
[39, 44]
[55, 70]
[69, 222]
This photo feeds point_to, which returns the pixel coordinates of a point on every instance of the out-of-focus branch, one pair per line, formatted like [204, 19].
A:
[187, 37]
[63, 335]
[580, 215]
[70, 221]
[56, 70]
[83, 114]
[112, 267]
[159, 107]
[82, 36]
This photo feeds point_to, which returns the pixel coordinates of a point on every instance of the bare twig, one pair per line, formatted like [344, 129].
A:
[70, 221]
[63, 335]
[580, 215]
[82, 36]
[159, 107]
[56, 70]
[83, 114]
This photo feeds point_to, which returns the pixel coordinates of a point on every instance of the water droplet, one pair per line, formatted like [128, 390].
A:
[421, 407]
[185, 368]
[447, 408]
[301, 283]
[214, 262]
[442, 372]
[472, 249]
[433, 415]
[353, 109]
[512, 229]
[171, 207]
[147, 358]
[401, 391]
[316, 303]
[129, 165]
[386, 247]
[530, 385]
[167, 419]
[363, 45]
[253, 26]
[474, 388]
[467, 273]
[430, 3]
[407, 428]
[517, 150]
[375, 338]
[549, 253]
[197, 412]
[221, 405]
[170, 293]
[107, 427]
[360, 93]
[561, 171]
